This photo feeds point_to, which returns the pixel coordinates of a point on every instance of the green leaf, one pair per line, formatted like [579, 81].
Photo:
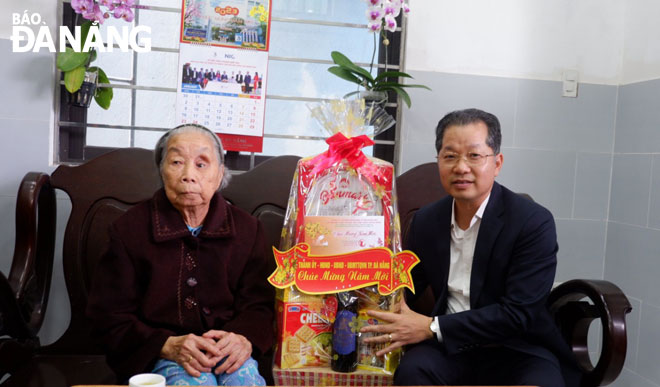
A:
[418, 86]
[84, 31]
[345, 74]
[69, 59]
[403, 94]
[390, 85]
[103, 95]
[342, 61]
[73, 79]
[392, 74]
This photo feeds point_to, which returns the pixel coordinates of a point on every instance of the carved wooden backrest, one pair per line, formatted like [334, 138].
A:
[264, 193]
[100, 190]
[104, 188]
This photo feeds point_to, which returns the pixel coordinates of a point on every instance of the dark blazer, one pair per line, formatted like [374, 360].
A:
[512, 274]
[157, 281]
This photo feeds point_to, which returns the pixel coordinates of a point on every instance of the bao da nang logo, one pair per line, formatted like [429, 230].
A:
[24, 38]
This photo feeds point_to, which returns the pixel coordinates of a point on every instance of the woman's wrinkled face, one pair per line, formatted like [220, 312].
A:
[191, 171]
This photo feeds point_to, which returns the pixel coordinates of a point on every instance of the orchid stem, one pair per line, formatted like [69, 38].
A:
[373, 55]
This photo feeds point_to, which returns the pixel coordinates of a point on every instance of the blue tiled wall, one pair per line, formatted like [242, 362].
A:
[594, 161]
[632, 258]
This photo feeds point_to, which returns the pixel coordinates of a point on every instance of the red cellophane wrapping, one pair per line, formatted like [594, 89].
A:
[341, 201]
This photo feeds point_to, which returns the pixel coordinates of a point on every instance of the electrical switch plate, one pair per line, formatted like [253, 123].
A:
[569, 85]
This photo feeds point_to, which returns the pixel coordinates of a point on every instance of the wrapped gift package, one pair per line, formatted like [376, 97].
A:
[341, 233]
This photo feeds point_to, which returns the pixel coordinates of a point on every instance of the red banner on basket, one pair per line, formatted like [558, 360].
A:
[322, 274]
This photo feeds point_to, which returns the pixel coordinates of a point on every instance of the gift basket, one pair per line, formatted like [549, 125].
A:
[340, 254]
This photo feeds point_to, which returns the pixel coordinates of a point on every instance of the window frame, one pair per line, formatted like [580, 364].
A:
[71, 121]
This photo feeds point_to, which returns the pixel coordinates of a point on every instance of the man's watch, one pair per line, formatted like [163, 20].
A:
[435, 328]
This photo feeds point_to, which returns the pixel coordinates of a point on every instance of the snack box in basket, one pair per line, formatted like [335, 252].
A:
[305, 332]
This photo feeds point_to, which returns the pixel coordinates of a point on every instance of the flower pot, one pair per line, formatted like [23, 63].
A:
[83, 97]
[373, 97]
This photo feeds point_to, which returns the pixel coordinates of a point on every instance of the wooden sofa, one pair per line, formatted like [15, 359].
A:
[104, 188]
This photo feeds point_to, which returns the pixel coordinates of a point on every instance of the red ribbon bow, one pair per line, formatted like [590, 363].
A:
[342, 147]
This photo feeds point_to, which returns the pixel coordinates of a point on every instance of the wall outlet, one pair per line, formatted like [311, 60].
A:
[569, 87]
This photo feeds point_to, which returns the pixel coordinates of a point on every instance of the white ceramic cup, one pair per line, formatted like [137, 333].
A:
[147, 380]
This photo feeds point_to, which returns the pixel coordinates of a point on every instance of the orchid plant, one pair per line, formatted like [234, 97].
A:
[75, 64]
[381, 16]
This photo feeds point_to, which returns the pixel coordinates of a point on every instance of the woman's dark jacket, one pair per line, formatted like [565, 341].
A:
[157, 280]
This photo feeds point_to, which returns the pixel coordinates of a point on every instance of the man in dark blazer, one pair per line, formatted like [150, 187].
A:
[489, 255]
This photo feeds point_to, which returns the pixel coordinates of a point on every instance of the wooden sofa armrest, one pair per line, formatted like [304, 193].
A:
[32, 264]
[17, 342]
[574, 316]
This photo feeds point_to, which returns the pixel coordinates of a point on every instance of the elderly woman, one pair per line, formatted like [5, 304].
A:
[182, 290]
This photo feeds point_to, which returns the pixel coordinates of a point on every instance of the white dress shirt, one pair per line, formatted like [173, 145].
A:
[461, 246]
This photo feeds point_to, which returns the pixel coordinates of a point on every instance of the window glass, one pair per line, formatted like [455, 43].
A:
[119, 112]
[164, 27]
[344, 11]
[318, 41]
[288, 80]
[157, 69]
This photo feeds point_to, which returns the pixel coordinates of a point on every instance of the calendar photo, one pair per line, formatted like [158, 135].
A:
[223, 89]
[230, 23]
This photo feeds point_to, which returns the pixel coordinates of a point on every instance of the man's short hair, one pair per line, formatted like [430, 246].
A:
[470, 116]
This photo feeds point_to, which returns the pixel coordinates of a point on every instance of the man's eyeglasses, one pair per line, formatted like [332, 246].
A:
[471, 159]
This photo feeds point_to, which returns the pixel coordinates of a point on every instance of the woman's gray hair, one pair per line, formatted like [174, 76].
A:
[160, 151]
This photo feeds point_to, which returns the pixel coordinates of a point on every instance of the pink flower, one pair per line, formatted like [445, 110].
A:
[375, 14]
[128, 3]
[393, 8]
[82, 6]
[122, 11]
[94, 14]
[390, 23]
[374, 3]
[375, 26]
[406, 8]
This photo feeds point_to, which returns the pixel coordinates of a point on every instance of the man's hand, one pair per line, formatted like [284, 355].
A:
[405, 328]
[232, 347]
[194, 353]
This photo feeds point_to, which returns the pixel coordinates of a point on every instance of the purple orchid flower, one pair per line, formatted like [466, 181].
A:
[124, 12]
[95, 14]
[82, 6]
[390, 23]
[375, 26]
[375, 14]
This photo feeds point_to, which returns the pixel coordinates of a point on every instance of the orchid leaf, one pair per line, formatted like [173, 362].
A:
[389, 85]
[74, 78]
[403, 94]
[417, 86]
[103, 95]
[344, 74]
[69, 59]
[84, 31]
[342, 61]
[392, 74]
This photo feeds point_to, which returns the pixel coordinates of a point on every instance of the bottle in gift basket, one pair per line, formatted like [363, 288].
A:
[344, 333]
